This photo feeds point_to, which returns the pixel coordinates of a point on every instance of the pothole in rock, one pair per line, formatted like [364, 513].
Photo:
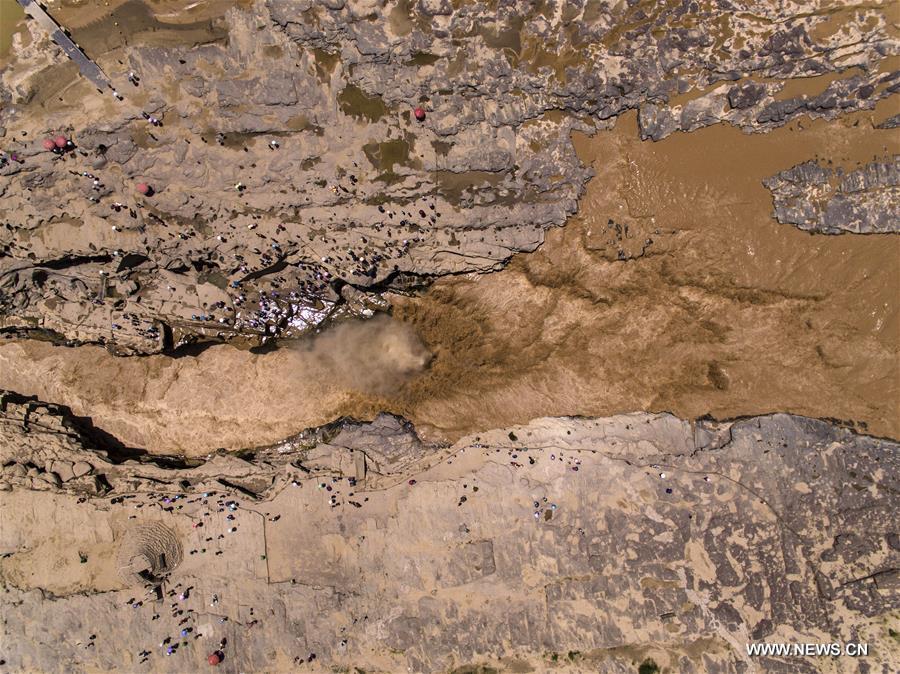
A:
[148, 554]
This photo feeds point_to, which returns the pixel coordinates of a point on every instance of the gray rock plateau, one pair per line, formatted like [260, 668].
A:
[245, 240]
[590, 545]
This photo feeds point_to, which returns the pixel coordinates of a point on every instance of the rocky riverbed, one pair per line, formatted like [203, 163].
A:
[450, 336]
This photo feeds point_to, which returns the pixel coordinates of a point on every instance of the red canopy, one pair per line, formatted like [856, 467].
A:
[49, 144]
[60, 141]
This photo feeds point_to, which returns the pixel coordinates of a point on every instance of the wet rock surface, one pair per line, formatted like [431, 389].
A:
[291, 183]
[827, 200]
[596, 544]
[755, 106]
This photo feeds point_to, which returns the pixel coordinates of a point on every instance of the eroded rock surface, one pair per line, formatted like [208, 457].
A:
[595, 544]
[823, 199]
[755, 106]
[44, 447]
[292, 182]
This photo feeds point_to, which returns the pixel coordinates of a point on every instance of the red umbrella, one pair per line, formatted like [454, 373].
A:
[49, 144]
[60, 141]
[420, 114]
[143, 188]
[214, 659]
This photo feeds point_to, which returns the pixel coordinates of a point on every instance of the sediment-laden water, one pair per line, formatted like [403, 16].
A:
[673, 289]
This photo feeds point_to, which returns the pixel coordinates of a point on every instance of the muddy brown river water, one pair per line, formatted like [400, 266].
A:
[673, 289]
[717, 309]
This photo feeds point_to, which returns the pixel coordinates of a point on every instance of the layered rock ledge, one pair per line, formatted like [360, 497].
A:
[292, 183]
[829, 200]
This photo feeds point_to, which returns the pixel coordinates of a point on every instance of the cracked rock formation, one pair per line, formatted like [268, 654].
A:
[755, 106]
[591, 544]
[291, 183]
[44, 447]
[830, 201]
